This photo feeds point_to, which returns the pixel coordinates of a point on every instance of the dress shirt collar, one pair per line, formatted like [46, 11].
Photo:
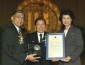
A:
[40, 33]
[17, 28]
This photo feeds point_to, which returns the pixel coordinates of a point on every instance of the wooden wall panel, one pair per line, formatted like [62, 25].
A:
[66, 3]
[74, 6]
[80, 12]
[6, 9]
[77, 6]
[59, 4]
[83, 8]
[1, 12]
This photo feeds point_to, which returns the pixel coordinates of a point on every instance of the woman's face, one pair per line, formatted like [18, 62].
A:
[66, 20]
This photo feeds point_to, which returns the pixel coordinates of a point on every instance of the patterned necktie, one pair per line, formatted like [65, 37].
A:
[21, 37]
[20, 32]
[40, 38]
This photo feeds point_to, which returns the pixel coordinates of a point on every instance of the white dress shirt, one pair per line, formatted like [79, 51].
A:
[39, 36]
[65, 31]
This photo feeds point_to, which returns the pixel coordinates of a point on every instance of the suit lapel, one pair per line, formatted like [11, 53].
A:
[15, 30]
[44, 35]
[36, 36]
[17, 34]
[69, 32]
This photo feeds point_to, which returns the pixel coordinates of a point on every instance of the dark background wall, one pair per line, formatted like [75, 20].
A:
[6, 9]
[77, 6]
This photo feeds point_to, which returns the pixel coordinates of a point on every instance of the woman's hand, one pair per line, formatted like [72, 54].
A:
[54, 60]
[67, 59]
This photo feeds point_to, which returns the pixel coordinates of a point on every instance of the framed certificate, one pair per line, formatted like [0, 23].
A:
[55, 46]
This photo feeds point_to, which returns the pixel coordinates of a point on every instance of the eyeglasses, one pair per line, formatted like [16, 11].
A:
[19, 17]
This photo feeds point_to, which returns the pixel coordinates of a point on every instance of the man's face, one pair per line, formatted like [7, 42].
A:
[18, 19]
[40, 26]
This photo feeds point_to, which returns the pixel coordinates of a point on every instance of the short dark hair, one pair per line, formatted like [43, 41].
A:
[18, 11]
[40, 18]
[66, 12]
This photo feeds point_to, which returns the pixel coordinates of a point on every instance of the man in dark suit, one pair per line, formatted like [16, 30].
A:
[34, 37]
[13, 46]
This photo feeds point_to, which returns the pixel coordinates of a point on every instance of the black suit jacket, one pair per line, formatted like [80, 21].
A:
[33, 38]
[13, 53]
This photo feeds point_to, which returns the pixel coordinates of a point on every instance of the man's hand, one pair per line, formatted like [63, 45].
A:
[32, 58]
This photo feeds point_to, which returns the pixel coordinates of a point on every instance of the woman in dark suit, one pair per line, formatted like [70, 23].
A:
[73, 39]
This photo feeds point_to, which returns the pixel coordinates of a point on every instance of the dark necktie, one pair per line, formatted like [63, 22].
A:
[40, 38]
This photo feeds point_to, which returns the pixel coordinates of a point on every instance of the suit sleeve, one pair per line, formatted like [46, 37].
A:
[9, 47]
[79, 45]
[27, 38]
